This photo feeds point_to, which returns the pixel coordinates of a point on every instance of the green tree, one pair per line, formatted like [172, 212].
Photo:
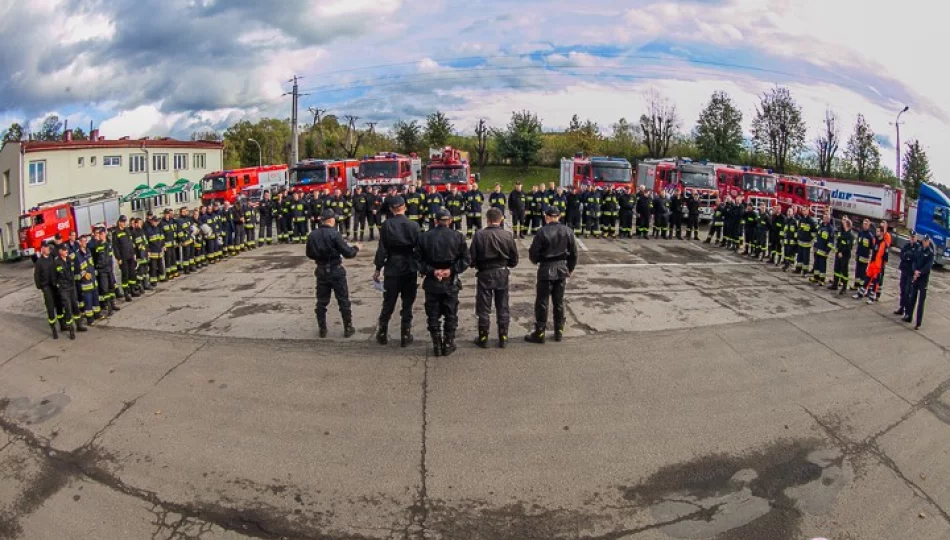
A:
[272, 134]
[584, 136]
[658, 125]
[80, 135]
[208, 135]
[521, 140]
[778, 129]
[916, 169]
[408, 136]
[826, 145]
[14, 133]
[718, 132]
[51, 129]
[438, 130]
[862, 151]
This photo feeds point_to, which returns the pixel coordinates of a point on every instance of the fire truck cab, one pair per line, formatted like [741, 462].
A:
[599, 171]
[312, 175]
[798, 191]
[56, 219]
[449, 166]
[747, 185]
[221, 186]
[671, 175]
[389, 169]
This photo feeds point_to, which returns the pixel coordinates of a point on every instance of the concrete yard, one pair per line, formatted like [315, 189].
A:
[698, 395]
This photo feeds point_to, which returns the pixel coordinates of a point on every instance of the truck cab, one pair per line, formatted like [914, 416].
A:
[389, 169]
[324, 174]
[797, 191]
[682, 175]
[227, 186]
[597, 171]
[448, 167]
[932, 217]
[56, 219]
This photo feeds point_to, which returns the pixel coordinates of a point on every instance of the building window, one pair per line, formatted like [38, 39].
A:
[6, 183]
[37, 173]
[161, 200]
[113, 161]
[160, 162]
[81, 162]
[181, 197]
[137, 163]
[181, 162]
[92, 161]
[199, 161]
[137, 205]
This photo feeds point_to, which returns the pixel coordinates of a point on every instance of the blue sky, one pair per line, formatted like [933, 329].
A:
[170, 67]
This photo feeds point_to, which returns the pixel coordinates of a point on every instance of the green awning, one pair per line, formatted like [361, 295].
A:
[147, 194]
[135, 193]
[179, 187]
[182, 181]
[160, 188]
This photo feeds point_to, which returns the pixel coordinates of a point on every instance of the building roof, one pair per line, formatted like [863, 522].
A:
[45, 146]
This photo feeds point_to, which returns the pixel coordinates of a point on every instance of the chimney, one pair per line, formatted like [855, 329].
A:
[68, 135]
[124, 138]
[94, 135]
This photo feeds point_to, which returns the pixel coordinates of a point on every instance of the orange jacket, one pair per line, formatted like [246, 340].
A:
[877, 259]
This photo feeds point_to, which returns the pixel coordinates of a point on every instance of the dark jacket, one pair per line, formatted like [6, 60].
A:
[909, 256]
[44, 272]
[64, 271]
[692, 207]
[516, 201]
[439, 249]
[398, 238]
[923, 263]
[326, 246]
[124, 247]
[554, 251]
[493, 248]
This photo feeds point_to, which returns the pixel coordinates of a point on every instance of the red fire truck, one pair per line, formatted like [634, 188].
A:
[318, 174]
[449, 166]
[596, 171]
[747, 185]
[221, 186]
[389, 169]
[798, 191]
[682, 175]
[56, 219]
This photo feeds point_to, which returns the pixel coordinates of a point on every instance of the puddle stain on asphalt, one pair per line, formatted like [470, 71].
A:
[23, 410]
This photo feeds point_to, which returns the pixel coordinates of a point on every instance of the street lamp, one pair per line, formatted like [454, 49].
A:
[260, 155]
[897, 124]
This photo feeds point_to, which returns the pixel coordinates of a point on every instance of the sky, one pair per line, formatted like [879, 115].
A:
[172, 67]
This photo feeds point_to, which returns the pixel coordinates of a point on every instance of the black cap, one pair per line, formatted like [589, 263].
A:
[123, 218]
[552, 211]
[442, 213]
[397, 201]
[153, 217]
[328, 214]
[927, 237]
[49, 242]
[63, 246]
[913, 233]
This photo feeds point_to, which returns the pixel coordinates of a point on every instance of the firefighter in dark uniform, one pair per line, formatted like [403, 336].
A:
[102, 258]
[298, 219]
[156, 246]
[776, 234]
[692, 216]
[455, 203]
[395, 259]
[676, 215]
[86, 280]
[717, 223]
[592, 213]
[609, 212]
[186, 243]
[413, 205]
[627, 203]
[347, 219]
[518, 204]
[376, 211]
[286, 231]
[139, 238]
[265, 211]
[234, 226]
[532, 202]
[474, 200]
[200, 257]
[65, 276]
[923, 264]
[125, 254]
[824, 242]
[493, 254]
[644, 210]
[807, 228]
[498, 200]
[443, 256]
[862, 256]
[360, 213]
[559, 200]
[750, 219]
[170, 232]
[327, 248]
[554, 250]
[906, 266]
[250, 224]
[44, 277]
[844, 245]
[733, 228]
[434, 202]
[575, 203]
[764, 218]
[791, 239]
[661, 215]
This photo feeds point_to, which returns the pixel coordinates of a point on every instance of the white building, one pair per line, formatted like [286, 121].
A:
[33, 172]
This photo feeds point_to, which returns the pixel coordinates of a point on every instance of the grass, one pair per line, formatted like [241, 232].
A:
[507, 175]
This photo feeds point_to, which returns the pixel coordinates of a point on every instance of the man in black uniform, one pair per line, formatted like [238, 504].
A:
[824, 241]
[474, 199]
[124, 246]
[376, 211]
[626, 202]
[434, 202]
[865, 246]
[676, 215]
[806, 239]
[844, 244]
[692, 216]
[44, 277]
[65, 272]
[156, 247]
[186, 240]
[592, 200]
[717, 223]
[575, 199]
[906, 267]
[554, 250]
[395, 258]
[644, 205]
[266, 209]
[498, 200]
[102, 258]
[298, 219]
[516, 202]
[493, 254]
[443, 256]
[923, 264]
[533, 208]
[777, 234]
[609, 212]
[327, 248]
[414, 205]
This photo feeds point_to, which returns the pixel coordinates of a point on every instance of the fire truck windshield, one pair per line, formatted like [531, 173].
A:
[603, 173]
[29, 221]
[699, 180]
[448, 175]
[218, 183]
[379, 169]
[758, 182]
[310, 176]
[819, 195]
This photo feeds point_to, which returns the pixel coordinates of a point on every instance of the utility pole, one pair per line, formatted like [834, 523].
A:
[294, 144]
[316, 115]
[897, 124]
[372, 127]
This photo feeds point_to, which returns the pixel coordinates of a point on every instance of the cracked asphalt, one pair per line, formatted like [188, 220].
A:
[698, 395]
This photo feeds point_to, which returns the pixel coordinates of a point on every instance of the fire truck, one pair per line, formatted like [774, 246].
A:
[798, 191]
[449, 166]
[686, 176]
[747, 185]
[318, 174]
[221, 186]
[56, 219]
[596, 171]
[389, 169]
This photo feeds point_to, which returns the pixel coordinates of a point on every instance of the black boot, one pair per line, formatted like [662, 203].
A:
[135, 292]
[72, 330]
[448, 345]
[381, 335]
[323, 332]
[80, 325]
[62, 325]
[113, 306]
[535, 337]
[502, 337]
[348, 329]
[695, 236]
[559, 333]
[708, 240]
[405, 338]
[52, 327]
[436, 344]
[482, 339]
[108, 309]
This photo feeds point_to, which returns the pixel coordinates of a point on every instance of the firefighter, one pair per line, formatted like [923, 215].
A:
[493, 254]
[170, 232]
[86, 280]
[198, 248]
[249, 211]
[517, 203]
[923, 264]
[434, 203]
[533, 202]
[102, 258]
[717, 223]
[395, 259]
[186, 244]
[44, 277]
[662, 212]
[872, 274]
[231, 229]
[360, 213]
[455, 203]
[474, 200]
[443, 256]
[907, 258]
[298, 219]
[592, 206]
[791, 239]
[140, 240]
[610, 210]
[734, 219]
[65, 278]
[844, 244]
[413, 205]
[762, 233]
[575, 197]
[560, 201]
[807, 229]
[626, 201]
[156, 247]
[776, 235]
[285, 222]
[265, 212]
[498, 200]
[235, 216]
[824, 242]
[327, 248]
[676, 216]
[554, 250]
[692, 216]
[73, 242]
[644, 206]
[546, 197]
[750, 220]
[347, 218]
[206, 222]
[125, 254]
[377, 212]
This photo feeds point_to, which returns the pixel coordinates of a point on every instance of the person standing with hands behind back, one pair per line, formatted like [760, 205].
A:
[554, 250]
[443, 256]
[494, 253]
[923, 264]
[326, 246]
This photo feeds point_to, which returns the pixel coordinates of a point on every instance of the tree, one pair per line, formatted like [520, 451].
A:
[584, 136]
[658, 124]
[408, 136]
[438, 129]
[272, 134]
[916, 169]
[14, 133]
[718, 132]
[778, 129]
[209, 135]
[353, 137]
[521, 140]
[826, 145]
[51, 130]
[80, 135]
[862, 150]
[481, 148]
